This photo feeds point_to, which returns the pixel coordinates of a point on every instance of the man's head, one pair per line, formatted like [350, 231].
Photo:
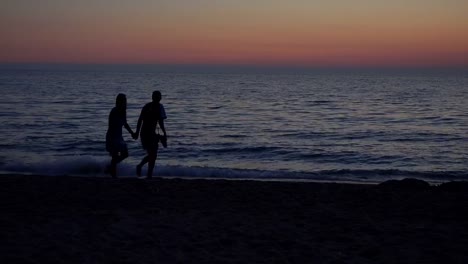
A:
[157, 96]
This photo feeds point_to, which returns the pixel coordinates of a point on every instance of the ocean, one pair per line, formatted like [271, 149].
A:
[345, 126]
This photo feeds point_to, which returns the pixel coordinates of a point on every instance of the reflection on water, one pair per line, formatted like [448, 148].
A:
[290, 123]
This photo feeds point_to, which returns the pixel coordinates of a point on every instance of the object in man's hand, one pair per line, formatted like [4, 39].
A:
[164, 141]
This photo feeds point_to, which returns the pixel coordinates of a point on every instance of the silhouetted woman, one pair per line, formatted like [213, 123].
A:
[115, 144]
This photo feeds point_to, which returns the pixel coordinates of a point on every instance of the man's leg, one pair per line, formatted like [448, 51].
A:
[152, 155]
[143, 162]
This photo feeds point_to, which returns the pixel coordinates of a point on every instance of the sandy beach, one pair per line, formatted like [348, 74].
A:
[66, 219]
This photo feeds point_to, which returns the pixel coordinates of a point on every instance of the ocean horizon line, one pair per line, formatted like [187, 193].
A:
[230, 68]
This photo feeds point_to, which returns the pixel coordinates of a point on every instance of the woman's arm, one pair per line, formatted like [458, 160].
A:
[140, 121]
[129, 129]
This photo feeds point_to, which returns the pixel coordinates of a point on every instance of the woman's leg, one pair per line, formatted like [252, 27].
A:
[117, 158]
[113, 164]
[123, 155]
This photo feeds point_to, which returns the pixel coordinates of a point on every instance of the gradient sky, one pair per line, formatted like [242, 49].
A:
[243, 32]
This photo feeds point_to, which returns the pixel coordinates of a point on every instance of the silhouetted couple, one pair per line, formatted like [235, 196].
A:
[151, 115]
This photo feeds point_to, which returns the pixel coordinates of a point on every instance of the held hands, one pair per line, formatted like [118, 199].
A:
[135, 136]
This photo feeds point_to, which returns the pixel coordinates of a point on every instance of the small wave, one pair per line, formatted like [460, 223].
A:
[301, 135]
[215, 107]
[234, 136]
[321, 102]
[249, 150]
[94, 166]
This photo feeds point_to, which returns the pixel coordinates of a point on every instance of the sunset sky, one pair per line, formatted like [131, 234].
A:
[408, 33]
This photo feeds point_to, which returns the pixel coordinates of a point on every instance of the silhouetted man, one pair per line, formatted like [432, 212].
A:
[152, 114]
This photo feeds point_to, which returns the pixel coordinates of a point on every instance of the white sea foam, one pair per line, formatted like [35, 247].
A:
[85, 165]
[95, 167]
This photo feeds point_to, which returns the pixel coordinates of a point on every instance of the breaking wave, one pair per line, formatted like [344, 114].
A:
[95, 167]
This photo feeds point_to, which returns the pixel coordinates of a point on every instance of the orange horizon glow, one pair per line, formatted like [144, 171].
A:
[417, 33]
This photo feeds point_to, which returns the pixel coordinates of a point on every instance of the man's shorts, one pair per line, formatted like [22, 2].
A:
[150, 142]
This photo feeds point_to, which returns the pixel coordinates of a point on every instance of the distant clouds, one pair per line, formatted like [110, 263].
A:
[303, 33]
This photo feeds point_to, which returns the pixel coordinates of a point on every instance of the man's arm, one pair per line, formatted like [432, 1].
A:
[161, 119]
[161, 125]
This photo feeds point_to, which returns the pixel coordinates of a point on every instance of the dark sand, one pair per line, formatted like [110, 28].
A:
[100, 220]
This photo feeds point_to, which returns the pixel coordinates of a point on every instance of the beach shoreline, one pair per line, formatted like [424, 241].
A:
[221, 178]
[172, 220]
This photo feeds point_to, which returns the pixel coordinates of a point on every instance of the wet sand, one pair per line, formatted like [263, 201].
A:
[65, 219]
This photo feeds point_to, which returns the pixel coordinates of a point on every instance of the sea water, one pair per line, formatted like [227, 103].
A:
[358, 126]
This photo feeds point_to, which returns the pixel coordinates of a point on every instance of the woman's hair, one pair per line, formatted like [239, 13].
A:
[121, 102]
